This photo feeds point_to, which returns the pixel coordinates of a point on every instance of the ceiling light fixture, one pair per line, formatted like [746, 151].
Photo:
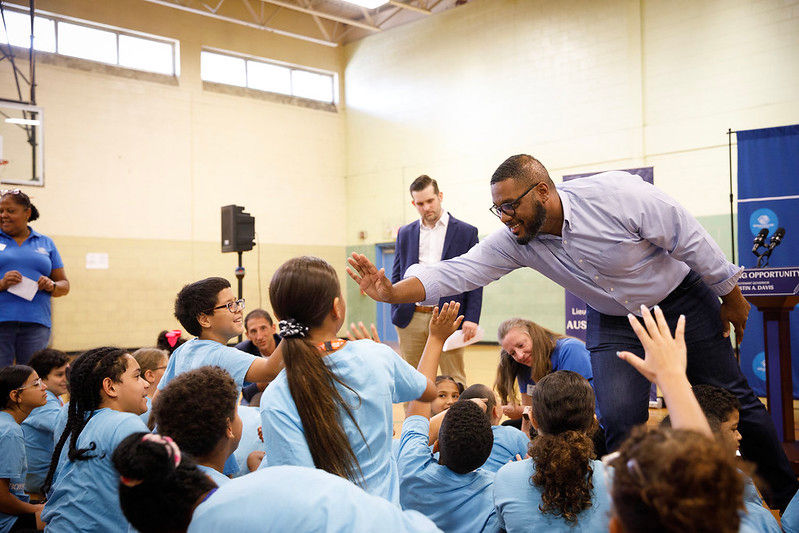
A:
[368, 4]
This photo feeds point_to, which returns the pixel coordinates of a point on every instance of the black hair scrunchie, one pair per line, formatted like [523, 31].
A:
[290, 329]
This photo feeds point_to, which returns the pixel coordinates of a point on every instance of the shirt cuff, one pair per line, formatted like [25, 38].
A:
[431, 286]
[723, 288]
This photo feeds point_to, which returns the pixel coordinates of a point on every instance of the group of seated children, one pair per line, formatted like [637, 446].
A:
[326, 418]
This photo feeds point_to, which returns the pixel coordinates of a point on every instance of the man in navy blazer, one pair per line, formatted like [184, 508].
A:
[436, 236]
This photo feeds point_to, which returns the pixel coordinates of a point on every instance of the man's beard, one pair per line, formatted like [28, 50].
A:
[532, 227]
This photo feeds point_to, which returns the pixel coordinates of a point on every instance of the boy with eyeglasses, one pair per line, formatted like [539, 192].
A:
[209, 310]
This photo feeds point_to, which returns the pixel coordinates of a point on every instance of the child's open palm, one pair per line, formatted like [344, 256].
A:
[446, 322]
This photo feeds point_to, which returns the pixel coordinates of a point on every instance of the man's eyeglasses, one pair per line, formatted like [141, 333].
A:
[38, 384]
[509, 208]
[234, 306]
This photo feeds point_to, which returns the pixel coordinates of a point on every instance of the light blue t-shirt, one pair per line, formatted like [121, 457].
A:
[380, 377]
[517, 501]
[85, 494]
[755, 516]
[292, 498]
[790, 518]
[196, 353]
[250, 442]
[145, 416]
[36, 257]
[508, 442]
[216, 476]
[455, 502]
[38, 429]
[569, 354]
[12, 464]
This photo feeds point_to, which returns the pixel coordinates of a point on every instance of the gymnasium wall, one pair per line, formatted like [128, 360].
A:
[137, 166]
[581, 85]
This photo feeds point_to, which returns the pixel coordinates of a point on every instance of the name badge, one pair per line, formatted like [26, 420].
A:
[2, 246]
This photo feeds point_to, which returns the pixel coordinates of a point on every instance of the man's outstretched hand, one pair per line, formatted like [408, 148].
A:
[373, 282]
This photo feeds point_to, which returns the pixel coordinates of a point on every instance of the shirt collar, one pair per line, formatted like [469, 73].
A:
[33, 233]
[566, 204]
[443, 221]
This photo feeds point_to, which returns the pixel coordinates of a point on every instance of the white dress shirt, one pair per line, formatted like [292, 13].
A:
[431, 240]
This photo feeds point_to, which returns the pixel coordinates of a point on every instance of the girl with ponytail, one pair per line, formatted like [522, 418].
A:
[107, 393]
[332, 407]
[561, 486]
[162, 490]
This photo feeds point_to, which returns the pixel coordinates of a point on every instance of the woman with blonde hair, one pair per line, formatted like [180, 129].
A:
[530, 352]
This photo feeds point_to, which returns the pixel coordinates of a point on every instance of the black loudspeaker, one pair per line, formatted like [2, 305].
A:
[238, 229]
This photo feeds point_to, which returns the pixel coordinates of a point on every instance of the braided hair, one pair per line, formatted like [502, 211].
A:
[89, 371]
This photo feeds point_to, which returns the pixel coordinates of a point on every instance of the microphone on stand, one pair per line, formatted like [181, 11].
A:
[776, 239]
[760, 240]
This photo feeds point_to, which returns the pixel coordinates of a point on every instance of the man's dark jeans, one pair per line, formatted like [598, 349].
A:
[623, 393]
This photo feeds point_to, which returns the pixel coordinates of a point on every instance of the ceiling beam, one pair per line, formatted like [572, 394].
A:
[243, 23]
[323, 15]
[418, 9]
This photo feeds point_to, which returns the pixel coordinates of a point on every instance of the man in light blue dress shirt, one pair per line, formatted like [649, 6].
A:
[618, 243]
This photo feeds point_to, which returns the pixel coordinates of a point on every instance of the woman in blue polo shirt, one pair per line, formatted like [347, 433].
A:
[530, 352]
[25, 254]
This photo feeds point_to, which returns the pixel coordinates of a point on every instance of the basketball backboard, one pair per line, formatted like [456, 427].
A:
[21, 148]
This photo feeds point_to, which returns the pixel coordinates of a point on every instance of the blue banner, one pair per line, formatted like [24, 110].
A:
[768, 198]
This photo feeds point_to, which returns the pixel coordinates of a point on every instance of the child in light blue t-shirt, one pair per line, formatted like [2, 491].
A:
[39, 427]
[208, 310]
[279, 499]
[21, 391]
[561, 487]
[206, 425]
[453, 491]
[106, 396]
[510, 444]
[332, 406]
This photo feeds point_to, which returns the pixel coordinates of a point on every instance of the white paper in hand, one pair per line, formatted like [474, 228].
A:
[27, 288]
[456, 341]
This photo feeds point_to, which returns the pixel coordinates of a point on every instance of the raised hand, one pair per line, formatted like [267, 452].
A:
[358, 332]
[665, 356]
[446, 322]
[373, 282]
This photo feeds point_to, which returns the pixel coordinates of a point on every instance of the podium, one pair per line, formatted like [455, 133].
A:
[775, 292]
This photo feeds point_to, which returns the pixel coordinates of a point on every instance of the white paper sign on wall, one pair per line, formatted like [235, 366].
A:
[97, 261]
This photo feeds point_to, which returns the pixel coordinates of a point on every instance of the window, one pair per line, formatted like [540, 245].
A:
[19, 31]
[87, 43]
[263, 75]
[91, 41]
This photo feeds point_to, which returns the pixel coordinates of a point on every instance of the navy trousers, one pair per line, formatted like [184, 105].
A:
[623, 393]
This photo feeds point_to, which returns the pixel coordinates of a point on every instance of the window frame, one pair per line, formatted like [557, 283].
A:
[275, 62]
[117, 31]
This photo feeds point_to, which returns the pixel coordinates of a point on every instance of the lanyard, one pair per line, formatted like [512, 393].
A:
[331, 346]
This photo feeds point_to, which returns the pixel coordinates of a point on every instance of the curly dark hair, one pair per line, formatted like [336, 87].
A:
[716, 401]
[85, 383]
[672, 481]
[563, 408]
[194, 409]
[163, 496]
[23, 200]
[44, 361]
[195, 299]
[465, 438]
